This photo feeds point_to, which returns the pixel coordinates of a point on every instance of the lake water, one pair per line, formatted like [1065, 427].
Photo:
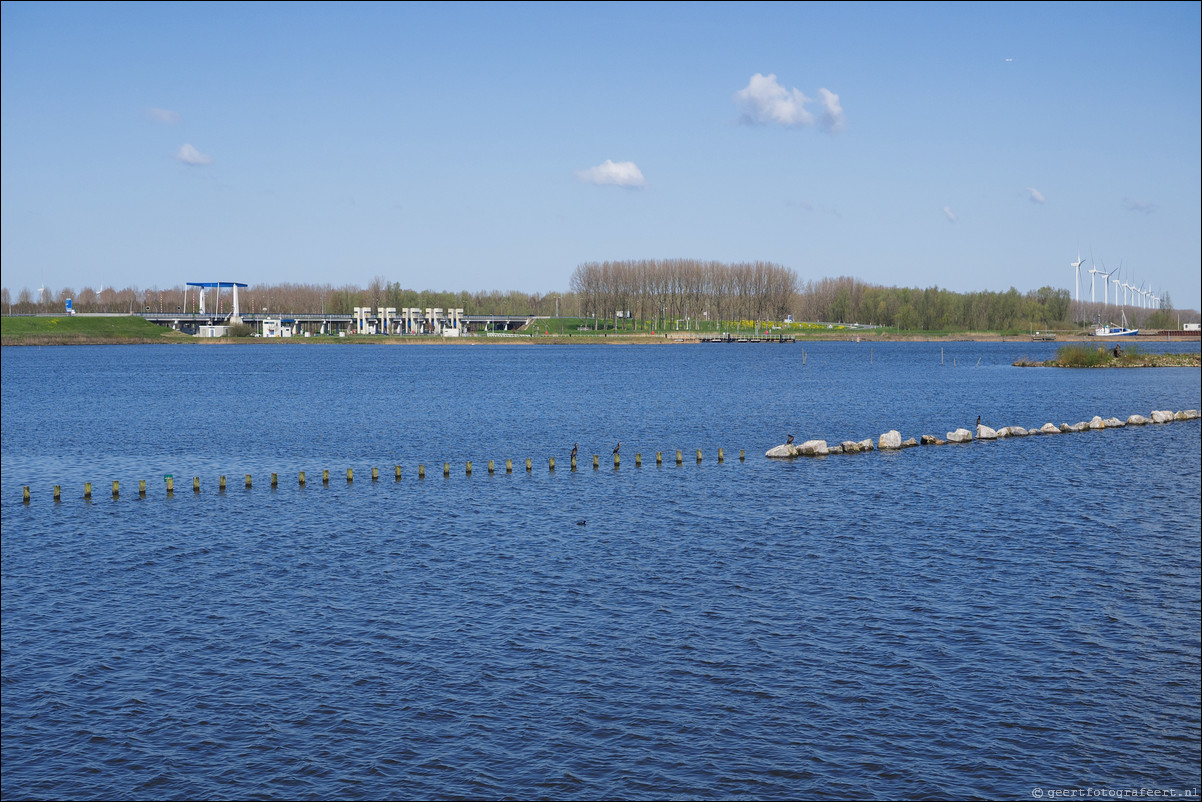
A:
[974, 621]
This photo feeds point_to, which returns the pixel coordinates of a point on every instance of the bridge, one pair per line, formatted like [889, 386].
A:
[381, 323]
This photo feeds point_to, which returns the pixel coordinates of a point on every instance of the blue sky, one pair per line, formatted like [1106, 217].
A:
[497, 146]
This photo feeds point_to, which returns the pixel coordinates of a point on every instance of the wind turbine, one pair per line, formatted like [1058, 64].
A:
[1077, 266]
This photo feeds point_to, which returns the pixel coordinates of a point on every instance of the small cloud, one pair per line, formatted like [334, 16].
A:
[1035, 196]
[949, 214]
[832, 113]
[165, 116]
[764, 101]
[190, 155]
[1132, 205]
[621, 174]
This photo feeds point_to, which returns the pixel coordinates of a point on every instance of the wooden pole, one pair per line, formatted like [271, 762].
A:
[275, 480]
[375, 474]
[398, 473]
[195, 484]
[529, 465]
[469, 467]
[679, 458]
[116, 489]
[509, 466]
[742, 456]
[638, 459]
[491, 469]
[221, 484]
[87, 489]
[302, 478]
[617, 460]
[721, 455]
[446, 469]
[699, 456]
[170, 486]
[141, 487]
[421, 471]
[552, 464]
[659, 458]
[58, 492]
[325, 476]
[248, 481]
[350, 475]
[25, 493]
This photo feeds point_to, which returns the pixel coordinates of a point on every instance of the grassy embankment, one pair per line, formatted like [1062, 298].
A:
[84, 330]
[126, 329]
[1131, 356]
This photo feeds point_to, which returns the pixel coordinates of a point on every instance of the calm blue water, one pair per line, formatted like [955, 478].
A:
[945, 622]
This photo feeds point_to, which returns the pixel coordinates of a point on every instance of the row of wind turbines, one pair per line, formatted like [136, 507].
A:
[1138, 295]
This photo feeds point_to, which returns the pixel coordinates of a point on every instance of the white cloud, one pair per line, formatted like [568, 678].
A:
[1035, 196]
[165, 116]
[832, 113]
[190, 155]
[949, 214]
[621, 174]
[765, 101]
[1132, 205]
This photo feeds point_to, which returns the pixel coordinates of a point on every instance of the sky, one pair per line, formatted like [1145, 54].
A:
[443, 146]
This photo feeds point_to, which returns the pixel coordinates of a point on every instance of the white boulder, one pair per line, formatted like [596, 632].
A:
[813, 448]
[959, 436]
[890, 440]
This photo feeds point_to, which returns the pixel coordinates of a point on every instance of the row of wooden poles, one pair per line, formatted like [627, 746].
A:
[375, 474]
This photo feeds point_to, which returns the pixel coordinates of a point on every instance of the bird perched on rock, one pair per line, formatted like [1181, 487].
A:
[790, 440]
[619, 445]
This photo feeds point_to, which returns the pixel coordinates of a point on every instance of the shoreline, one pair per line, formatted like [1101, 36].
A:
[174, 338]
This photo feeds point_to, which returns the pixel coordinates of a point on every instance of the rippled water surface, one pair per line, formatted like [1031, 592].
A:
[941, 622]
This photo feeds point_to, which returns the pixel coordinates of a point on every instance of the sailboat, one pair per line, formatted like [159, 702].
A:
[1113, 330]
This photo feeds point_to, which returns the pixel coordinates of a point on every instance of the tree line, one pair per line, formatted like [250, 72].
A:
[647, 293]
